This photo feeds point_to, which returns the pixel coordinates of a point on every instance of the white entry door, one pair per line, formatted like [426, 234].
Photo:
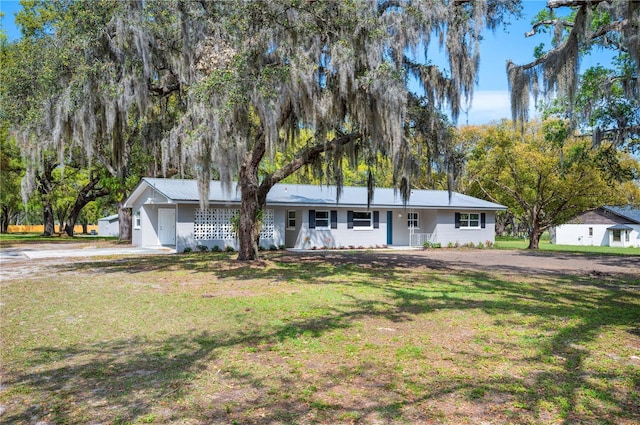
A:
[167, 226]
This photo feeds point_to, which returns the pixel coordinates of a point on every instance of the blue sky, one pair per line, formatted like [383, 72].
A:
[491, 98]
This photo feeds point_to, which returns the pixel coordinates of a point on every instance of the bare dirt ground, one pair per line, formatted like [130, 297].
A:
[15, 261]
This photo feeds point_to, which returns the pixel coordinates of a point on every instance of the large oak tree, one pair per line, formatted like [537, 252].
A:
[217, 87]
[546, 176]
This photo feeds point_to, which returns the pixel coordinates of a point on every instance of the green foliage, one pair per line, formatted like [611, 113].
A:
[545, 176]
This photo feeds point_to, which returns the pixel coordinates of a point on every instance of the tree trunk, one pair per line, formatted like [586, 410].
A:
[85, 228]
[87, 194]
[124, 222]
[6, 217]
[248, 226]
[534, 237]
[49, 225]
[248, 233]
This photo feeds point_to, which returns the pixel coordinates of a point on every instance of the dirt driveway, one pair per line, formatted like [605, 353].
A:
[531, 262]
[16, 261]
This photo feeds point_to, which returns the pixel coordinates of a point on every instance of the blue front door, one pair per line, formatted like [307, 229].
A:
[389, 227]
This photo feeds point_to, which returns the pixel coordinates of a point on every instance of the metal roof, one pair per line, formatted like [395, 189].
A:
[628, 212]
[186, 191]
[620, 227]
[113, 217]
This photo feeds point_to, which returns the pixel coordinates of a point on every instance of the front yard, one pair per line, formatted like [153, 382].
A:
[337, 337]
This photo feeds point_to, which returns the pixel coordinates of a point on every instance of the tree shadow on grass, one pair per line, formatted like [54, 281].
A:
[263, 375]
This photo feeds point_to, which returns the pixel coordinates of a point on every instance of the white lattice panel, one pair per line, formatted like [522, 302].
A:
[267, 230]
[215, 223]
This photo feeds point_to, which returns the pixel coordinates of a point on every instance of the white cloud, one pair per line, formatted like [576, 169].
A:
[490, 105]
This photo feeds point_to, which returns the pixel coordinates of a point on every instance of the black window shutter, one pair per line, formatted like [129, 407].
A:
[312, 219]
[376, 219]
[349, 219]
[483, 220]
[334, 219]
[457, 220]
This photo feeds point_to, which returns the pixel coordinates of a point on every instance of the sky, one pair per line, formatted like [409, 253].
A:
[491, 96]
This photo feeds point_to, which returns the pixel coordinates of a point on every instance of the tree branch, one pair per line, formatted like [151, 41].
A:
[304, 157]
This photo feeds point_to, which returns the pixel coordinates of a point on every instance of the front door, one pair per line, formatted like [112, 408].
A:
[167, 226]
[389, 227]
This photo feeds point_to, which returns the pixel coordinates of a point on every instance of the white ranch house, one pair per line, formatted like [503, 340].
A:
[605, 226]
[166, 212]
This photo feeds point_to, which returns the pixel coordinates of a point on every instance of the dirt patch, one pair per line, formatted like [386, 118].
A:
[489, 260]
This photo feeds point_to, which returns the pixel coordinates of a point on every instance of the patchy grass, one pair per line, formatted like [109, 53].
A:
[323, 338]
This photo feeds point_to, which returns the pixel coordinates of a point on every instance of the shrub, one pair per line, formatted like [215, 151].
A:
[282, 246]
[480, 245]
[187, 250]
[272, 247]
[215, 248]
[229, 249]
[488, 243]
[427, 245]
[450, 245]
[202, 248]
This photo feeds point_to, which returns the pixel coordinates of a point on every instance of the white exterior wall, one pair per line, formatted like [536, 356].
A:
[578, 234]
[108, 227]
[185, 237]
[147, 204]
[446, 231]
[342, 236]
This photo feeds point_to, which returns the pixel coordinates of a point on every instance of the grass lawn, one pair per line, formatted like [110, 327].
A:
[546, 245]
[332, 338]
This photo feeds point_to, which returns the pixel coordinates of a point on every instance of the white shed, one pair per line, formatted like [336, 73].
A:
[109, 226]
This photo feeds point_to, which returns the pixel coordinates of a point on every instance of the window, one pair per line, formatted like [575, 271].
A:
[322, 219]
[626, 232]
[412, 220]
[362, 219]
[136, 220]
[291, 219]
[617, 236]
[469, 221]
[590, 232]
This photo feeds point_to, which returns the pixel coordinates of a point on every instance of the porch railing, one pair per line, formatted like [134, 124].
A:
[418, 239]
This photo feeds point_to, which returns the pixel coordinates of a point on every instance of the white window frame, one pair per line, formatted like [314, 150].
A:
[318, 220]
[361, 223]
[617, 238]
[413, 220]
[466, 220]
[137, 221]
[291, 221]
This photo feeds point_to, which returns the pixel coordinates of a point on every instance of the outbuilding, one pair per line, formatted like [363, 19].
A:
[109, 226]
[616, 226]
